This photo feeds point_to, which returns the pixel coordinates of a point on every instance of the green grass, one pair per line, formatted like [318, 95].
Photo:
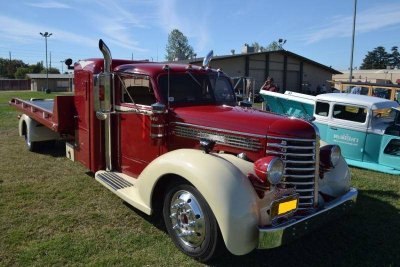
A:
[52, 212]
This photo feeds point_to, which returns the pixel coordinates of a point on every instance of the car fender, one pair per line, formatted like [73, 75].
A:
[225, 187]
[336, 182]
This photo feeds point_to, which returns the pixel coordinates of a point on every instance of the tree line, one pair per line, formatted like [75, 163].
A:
[17, 69]
[378, 58]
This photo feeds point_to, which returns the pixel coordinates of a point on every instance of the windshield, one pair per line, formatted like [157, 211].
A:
[190, 88]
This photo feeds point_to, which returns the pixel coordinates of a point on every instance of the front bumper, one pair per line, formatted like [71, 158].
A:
[272, 237]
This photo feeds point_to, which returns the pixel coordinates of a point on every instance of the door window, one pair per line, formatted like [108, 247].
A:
[393, 148]
[322, 109]
[138, 90]
[350, 113]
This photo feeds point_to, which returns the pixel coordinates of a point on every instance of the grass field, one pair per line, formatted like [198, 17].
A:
[52, 212]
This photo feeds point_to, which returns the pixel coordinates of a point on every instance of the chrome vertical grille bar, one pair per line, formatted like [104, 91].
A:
[300, 159]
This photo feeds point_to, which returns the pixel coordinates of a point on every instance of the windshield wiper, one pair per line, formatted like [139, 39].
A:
[194, 79]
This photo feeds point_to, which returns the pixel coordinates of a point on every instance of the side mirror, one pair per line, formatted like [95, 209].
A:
[158, 122]
[158, 108]
[102, 95]
[68, 62]
[245, 104]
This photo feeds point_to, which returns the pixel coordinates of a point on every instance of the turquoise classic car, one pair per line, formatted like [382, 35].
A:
[367, 129]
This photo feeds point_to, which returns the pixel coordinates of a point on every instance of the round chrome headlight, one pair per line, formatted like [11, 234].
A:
[275, 171]
[335, 155]
[330, 155]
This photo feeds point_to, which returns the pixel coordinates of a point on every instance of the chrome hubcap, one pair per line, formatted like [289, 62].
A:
[187, 218]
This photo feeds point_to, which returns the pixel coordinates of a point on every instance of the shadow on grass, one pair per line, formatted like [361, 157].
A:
[367, 236]
[52, 148]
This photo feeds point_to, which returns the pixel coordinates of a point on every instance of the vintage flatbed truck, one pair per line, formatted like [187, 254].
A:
[170, 140]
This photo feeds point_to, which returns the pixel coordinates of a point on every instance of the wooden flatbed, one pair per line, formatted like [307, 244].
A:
[49, 113]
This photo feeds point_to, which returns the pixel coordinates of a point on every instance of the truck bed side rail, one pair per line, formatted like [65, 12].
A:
[48, 113]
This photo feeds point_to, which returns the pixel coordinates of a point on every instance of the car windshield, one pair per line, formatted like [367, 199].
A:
[190, 88]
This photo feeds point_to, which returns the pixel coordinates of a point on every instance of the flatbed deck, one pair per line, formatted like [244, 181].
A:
[46, 112]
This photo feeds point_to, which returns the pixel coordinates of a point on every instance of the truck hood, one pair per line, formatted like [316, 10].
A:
[244, 120]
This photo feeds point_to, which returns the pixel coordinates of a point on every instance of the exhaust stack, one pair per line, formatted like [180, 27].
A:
[108, 107]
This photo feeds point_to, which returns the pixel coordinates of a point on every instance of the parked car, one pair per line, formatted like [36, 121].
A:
[366, 128]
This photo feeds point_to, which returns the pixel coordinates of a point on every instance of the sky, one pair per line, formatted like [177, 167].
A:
[320, 30]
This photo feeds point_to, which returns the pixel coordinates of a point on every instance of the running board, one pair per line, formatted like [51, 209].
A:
[124, 187]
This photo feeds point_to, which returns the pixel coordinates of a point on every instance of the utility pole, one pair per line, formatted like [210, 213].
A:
[50, 59]
[46, 35]
[352, 41]
[9, 52]
[62, 66]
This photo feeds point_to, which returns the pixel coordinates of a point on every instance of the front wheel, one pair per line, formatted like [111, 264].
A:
[190, 222]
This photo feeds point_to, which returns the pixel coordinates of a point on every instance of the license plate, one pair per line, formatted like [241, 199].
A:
[285, 207]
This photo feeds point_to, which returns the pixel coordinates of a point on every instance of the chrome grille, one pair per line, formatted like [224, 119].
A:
[299, 157]
[245, 142]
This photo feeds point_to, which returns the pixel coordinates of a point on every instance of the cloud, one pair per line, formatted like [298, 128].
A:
[49, 4]
[119, 26]
[366, 21]
[24, 32]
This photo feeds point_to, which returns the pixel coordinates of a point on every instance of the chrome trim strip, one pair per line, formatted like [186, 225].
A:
[157, 135]
[300, 169]
[290, 154]
[223, 138]
[291, 139]
[133, 110]
[158, 125]
[277, 145]
[299, 162]
[299, 175]
[218, 130]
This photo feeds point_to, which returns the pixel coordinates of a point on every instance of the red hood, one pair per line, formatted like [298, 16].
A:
[244, 120]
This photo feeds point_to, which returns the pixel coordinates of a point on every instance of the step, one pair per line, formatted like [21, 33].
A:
[124, 187]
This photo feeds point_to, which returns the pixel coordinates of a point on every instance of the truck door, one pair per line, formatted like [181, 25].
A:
[348, 130]
[136, 147]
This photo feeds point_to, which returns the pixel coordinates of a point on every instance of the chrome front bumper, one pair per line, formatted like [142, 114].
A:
[272, 237]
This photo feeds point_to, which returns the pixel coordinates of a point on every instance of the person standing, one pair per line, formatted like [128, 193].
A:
[269, 85]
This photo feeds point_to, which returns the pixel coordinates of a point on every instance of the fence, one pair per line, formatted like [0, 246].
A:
[14, 85]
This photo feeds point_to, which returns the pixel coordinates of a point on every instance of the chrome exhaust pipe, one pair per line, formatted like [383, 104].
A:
[107, 56]
[108, 107]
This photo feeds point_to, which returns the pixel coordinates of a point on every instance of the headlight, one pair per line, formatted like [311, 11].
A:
[275, 171]
[269, 168]
[330, 155]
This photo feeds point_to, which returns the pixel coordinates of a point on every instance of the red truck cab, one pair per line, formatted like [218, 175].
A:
[170, 139]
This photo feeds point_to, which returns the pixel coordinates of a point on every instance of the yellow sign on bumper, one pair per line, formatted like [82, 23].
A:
[285, 207]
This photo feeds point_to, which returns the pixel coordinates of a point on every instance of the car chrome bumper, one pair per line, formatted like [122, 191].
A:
[272, 237]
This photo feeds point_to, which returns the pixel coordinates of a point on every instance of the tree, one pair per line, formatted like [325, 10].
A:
[273, 46]
[394, 58]
[376, 59]
[9, 67]
[178, 47]
[51, 70]
[257, 47]
[21, 72]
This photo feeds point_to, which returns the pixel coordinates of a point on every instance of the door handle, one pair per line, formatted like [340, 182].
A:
[334, 128]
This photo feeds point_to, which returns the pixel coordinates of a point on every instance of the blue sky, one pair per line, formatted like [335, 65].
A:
[316, 29]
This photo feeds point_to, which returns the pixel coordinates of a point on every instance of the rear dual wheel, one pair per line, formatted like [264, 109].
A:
[32, 146]
[190, 222]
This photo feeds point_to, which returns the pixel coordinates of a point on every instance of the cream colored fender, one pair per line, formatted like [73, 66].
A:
[225, 187]
[35, 131]
[336, 182]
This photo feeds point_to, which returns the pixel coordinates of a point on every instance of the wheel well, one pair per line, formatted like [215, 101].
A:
[24, 128]
[160, 190]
